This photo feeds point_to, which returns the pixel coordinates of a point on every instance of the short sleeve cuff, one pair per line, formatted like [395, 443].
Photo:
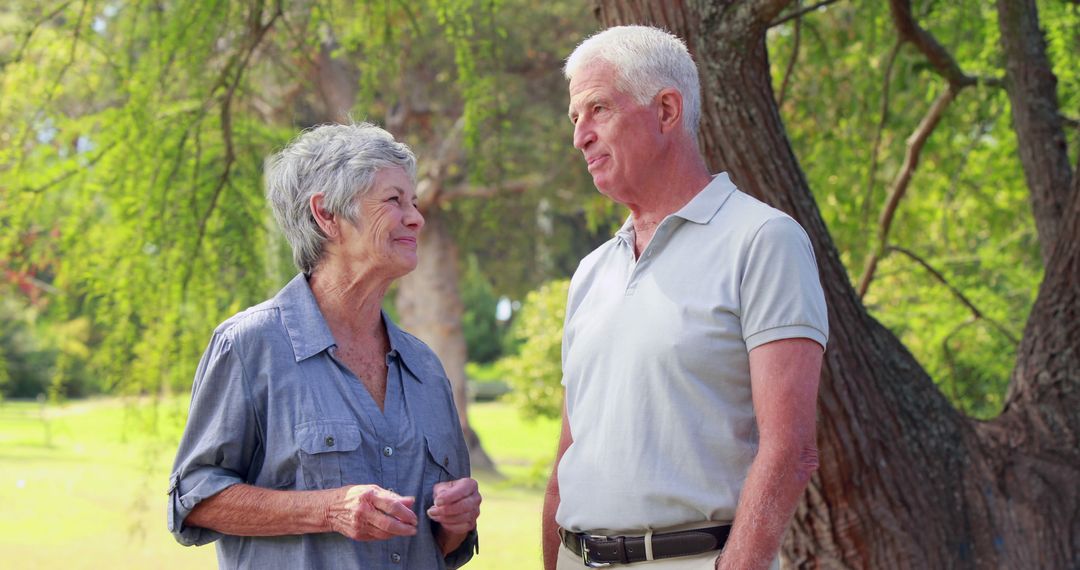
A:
[464, 552]
[784, 332]
[201, 485]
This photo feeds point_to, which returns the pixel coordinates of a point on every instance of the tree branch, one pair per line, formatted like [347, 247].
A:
[466, 190]
[799, 13]
[868, 194]
[226, 131]
[941, 60]
[70, 173]
[33, 29]
[975, 312]
[791, 62]
[903, 179]
[430, 188]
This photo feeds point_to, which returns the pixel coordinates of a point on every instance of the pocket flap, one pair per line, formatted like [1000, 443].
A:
[443, 453]
[323, 436]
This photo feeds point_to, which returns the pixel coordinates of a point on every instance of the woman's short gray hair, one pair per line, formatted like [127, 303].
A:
[340, 161]
[646, 60]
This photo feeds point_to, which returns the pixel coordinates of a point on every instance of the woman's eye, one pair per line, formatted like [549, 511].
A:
[393, 199]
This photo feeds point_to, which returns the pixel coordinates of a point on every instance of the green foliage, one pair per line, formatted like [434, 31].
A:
[131, 151]
[483, 333]
[966, 213]
[535, 372]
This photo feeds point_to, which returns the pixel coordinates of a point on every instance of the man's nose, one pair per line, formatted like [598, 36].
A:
[584, 134]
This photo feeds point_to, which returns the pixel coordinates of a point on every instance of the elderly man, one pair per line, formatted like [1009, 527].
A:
[693, 338]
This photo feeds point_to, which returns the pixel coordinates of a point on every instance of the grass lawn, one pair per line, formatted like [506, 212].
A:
[82, 485]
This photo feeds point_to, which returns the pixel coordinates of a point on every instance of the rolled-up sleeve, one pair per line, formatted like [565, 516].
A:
[219, 441]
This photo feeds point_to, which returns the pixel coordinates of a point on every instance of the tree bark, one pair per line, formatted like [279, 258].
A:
[905, 480]
[1039, 128]
[429, 304]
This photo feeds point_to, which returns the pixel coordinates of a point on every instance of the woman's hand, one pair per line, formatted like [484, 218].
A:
[369, 512]
[457, 506]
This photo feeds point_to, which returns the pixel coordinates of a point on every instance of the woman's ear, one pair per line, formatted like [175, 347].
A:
[327, 221]
[669, 109]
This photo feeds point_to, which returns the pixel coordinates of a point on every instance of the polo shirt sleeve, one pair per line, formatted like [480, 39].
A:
[780, 291]
[219, 440]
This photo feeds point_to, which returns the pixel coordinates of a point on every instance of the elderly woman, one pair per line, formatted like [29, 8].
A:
[321, 435]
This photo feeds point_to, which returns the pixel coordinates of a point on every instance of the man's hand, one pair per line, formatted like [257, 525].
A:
[369, 512]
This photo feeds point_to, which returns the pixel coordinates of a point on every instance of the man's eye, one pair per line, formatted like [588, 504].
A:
[393, 199]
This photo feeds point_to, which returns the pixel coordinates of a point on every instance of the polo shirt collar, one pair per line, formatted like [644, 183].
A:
[700, 209]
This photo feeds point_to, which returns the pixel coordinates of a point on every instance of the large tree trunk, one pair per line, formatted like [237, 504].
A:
[429, 303]
[905, 480]
[428, 299]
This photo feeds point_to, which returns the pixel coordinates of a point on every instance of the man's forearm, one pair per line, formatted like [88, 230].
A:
[246, 510]
[550, 538]
[772, 490]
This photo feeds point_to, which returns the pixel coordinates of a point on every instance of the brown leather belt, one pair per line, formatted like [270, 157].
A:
[597, 551]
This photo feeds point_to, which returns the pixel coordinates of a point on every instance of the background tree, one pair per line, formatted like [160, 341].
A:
[906, 479]
[134, 135]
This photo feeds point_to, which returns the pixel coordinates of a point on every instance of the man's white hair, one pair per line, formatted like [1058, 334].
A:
[646, 60]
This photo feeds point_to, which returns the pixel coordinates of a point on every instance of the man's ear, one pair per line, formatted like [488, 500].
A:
[327, 221]
[669, 109]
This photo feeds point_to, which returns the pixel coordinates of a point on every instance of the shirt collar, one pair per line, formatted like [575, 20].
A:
[700, 209]
[300, 314]
[310, 335]
[406, 347]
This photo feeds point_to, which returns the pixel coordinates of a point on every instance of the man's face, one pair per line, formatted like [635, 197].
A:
[618, 137]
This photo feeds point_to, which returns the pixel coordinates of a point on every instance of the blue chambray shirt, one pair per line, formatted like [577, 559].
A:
[271, 406]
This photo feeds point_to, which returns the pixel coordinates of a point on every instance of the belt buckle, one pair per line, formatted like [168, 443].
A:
[585, 554]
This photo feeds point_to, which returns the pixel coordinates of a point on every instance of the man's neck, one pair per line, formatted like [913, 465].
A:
[673, 187]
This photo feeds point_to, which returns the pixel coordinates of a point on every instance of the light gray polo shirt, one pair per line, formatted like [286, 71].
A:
[656, 365]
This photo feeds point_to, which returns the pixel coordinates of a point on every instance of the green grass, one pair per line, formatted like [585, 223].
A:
[82, 485]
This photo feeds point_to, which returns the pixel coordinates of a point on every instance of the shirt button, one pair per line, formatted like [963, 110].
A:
[388, 451]
[329, 441]
[395, 558]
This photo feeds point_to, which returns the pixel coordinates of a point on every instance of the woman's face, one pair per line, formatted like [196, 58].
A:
[385, 234]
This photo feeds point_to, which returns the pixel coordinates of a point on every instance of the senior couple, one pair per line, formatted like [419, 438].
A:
[321, 435]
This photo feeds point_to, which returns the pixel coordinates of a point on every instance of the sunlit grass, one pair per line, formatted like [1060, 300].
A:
[82, 485]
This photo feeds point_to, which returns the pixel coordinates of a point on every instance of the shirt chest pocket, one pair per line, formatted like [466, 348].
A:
[329, 452]
[441, 464]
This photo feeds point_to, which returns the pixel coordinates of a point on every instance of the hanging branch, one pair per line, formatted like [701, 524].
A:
[33, 30]
[800, 13]
[940, 59]
[791, 62]
[226, 133]
[975, 312]
[868, 195]
[947, 67]
[518, 186]
[903, 179]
